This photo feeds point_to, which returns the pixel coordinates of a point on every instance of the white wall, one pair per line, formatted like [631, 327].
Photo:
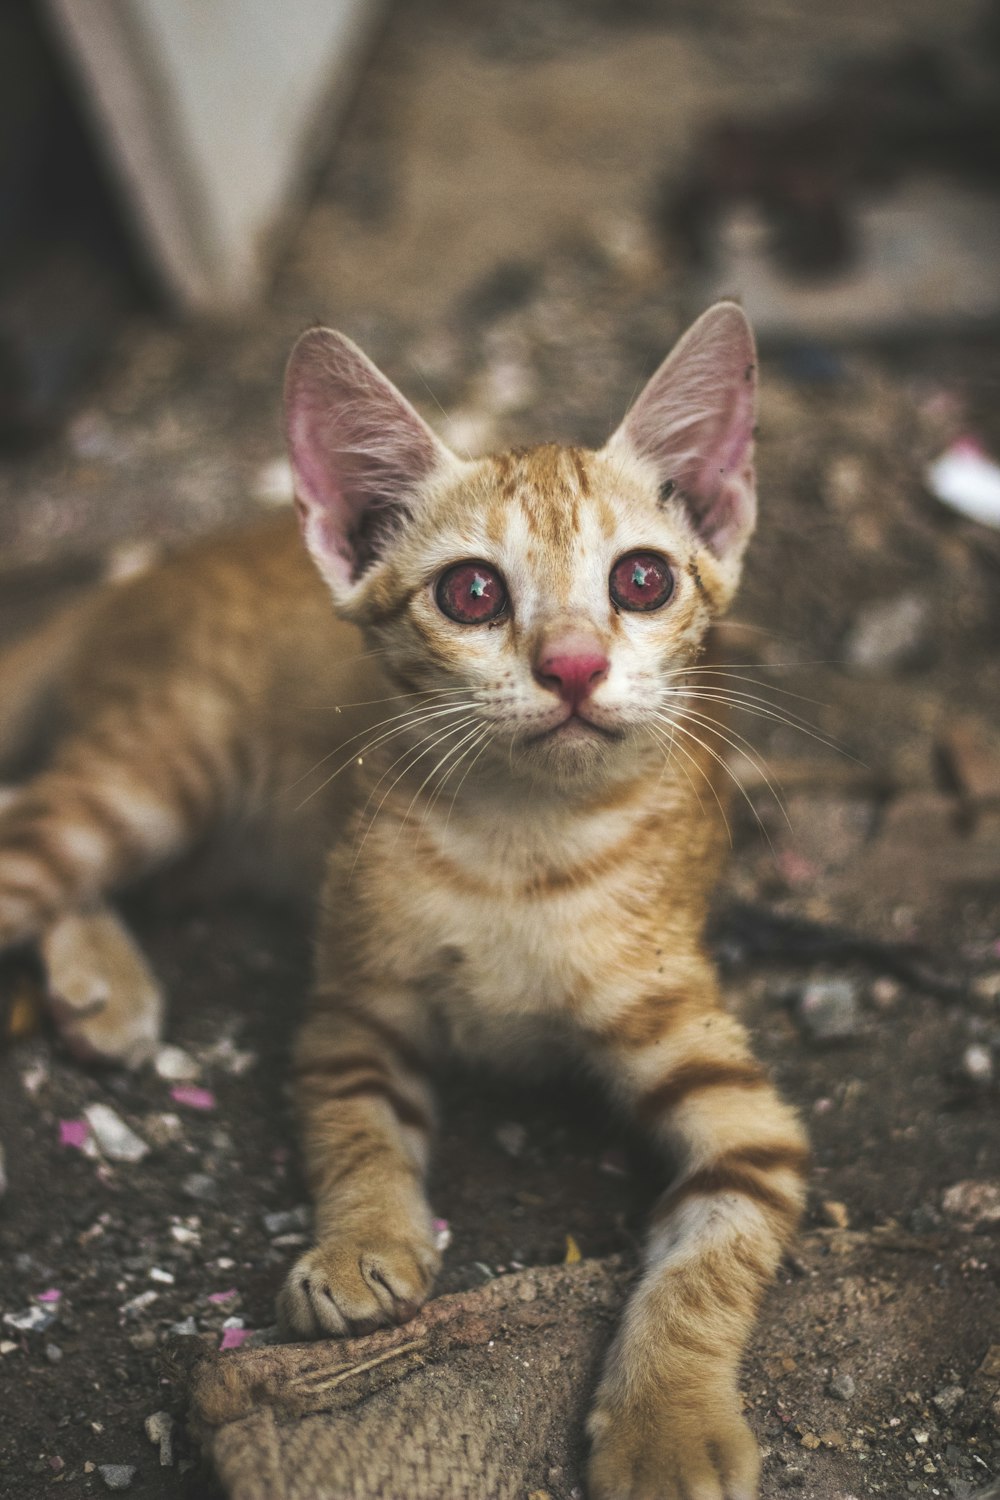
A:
[210, 111]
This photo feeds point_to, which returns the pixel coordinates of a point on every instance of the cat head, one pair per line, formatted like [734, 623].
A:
[553, 591]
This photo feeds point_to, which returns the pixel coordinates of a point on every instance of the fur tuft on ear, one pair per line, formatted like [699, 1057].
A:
[694, 421]
[359, 454]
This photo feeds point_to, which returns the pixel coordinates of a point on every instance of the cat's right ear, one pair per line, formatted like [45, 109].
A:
[359, 455]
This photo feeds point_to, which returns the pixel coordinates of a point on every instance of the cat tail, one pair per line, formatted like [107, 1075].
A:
[30, 672]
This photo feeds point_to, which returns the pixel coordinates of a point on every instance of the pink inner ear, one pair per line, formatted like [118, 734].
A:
[695, 421]
[359, 452]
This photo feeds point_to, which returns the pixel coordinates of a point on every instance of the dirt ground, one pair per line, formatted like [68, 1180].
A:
[483, 229]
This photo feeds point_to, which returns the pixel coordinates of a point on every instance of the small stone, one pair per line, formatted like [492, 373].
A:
[165, 1278]
[174, 1065]
[163, 1127]
[7, 1346]
[835, 1214]
[117, 1141]
[888, 634]
[143, 1340]
[198, 1185]
[53, 1353]
[841, 1387]
[829, 1011]
[186, 1328]
[973, 1204]
[30, 1319]
[117, 1476]
[832, 1438]
[810, 1440]
[512, 1137]
[885, 992]
[135, 1306]
[160, 1431]
[990, 1367]
[948, 1399]
[977, 1064]
[987, 986]
[286, 1221]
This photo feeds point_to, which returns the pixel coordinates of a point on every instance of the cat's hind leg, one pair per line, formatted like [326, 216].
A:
[119, 799]
[103, 994]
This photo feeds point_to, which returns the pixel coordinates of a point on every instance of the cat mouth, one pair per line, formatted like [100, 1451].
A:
[574, 727]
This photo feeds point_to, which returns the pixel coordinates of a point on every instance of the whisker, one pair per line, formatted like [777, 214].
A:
[704, 776]
[741, 744]
[435, 739]
[720, 760]
[762, 710]
[411, 720]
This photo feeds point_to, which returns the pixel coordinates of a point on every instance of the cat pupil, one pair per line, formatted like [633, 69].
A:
[477, 587]
[639, 575]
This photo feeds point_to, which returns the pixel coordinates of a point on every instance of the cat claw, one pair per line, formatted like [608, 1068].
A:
[104, 999]
[343, 1291]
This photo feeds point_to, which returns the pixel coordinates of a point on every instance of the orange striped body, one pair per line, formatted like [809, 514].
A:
[513, 764]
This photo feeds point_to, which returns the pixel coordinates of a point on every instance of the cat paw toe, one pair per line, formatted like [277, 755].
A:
[340, 1291]
[668, 1454]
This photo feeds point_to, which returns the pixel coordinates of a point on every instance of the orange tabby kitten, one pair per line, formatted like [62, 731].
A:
[528, 861]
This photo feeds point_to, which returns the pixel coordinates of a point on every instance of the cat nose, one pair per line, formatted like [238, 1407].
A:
[572, 669]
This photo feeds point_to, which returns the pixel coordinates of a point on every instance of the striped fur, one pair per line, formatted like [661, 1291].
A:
[499, 883]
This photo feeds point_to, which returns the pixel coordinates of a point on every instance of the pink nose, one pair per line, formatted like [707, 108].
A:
[572, 674]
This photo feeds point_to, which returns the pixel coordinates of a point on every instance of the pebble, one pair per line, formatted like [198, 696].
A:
[118, 1141]
[136, 1305]
[198, 1185]
[160, 1431]
[888, 633]
[53, 1353]
[512, 1137]
[174, 1065]
[186, 1328]
[835, 1214]
[829, 1010]
[287, 1220]
[987, 986]
[885, 992]
[948, 1399]
[117, 1476]
[7, 1346]
[977, 1064]
[841, 1387]
[972, 1203]
[30, 1319]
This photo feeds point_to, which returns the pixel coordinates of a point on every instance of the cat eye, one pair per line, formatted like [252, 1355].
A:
[472, 593]
[641, 581]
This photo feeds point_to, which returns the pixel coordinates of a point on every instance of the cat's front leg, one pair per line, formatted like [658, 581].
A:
[361, 1088]
[666, 1423]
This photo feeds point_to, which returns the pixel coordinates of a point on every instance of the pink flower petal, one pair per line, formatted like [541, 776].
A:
[222, 1296]
[232, 1338]
[73, 1133]
[53, 1294]
[191, 1095]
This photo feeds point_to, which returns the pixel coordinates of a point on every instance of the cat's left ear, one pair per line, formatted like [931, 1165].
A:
[694, 422]
[360, 454]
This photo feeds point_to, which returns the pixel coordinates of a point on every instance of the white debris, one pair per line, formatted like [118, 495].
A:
[175, 1065]
[31, 1319]
[967, 479]
[117, 1476]
[117, 1141]
[888, 633]
[273, 483]
[977, 1063]
[165, 1278]
[160, 1431]
[136, 1305]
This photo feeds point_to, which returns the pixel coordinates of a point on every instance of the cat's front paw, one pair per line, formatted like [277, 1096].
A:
[671, 1450]
[353, 1286]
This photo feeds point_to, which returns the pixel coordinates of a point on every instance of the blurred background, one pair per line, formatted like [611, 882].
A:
[515, 206]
